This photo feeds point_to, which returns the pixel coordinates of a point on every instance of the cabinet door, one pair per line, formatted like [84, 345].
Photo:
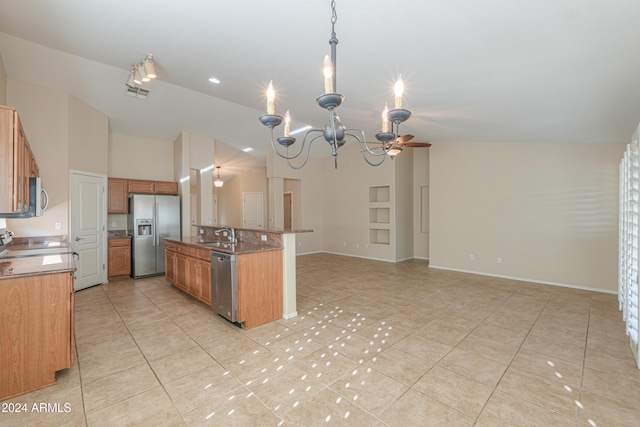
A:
[166, 187]
[204, 277]
[182, 271]
[118, 196]
[170, 266]
[193, 288]
[119, 261]
[140, 186]
[19, 177]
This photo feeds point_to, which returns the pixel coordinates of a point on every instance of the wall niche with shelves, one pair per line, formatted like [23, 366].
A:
[379, 215]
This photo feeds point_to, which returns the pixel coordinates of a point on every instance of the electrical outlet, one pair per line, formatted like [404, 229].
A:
[358, 245]
[472, 257]
[113, 223]
[58, 226]
[201, 231]
[263, 237]
[499, 260]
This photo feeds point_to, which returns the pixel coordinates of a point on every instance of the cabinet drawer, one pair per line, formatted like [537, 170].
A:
[119, 241]
[203, 254]
[169, 246]
[185, 250]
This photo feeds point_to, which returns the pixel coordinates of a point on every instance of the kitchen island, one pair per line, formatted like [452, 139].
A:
[36, 313]
[265, 257]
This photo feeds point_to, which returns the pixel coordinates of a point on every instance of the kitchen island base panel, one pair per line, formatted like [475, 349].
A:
[36, 331]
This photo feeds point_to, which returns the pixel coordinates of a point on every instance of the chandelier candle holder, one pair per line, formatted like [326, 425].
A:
[334, 132]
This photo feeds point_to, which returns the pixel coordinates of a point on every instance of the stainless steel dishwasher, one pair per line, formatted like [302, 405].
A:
[223, 285]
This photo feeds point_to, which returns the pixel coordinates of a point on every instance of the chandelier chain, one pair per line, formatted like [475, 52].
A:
[334, 15]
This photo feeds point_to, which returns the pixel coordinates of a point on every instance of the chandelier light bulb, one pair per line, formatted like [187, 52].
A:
[399, 89]
[287, 125]
[334, 132]
[327, 70]
[385, 119]
[271, 96]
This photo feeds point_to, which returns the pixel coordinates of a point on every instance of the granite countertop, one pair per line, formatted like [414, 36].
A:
[258, 230]
[35, 256]
[239, 248]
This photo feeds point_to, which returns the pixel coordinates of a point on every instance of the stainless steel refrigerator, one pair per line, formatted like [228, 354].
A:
[151, 219]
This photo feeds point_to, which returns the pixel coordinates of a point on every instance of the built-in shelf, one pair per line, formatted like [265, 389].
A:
[379, 215]
[379, 236]
[379, 194]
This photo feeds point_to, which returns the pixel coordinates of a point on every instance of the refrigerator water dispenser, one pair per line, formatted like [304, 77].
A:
[143, 227]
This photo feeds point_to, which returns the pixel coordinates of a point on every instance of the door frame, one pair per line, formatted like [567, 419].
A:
[103, 201]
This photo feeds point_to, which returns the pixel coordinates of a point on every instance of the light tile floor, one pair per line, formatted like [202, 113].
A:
[375, 344]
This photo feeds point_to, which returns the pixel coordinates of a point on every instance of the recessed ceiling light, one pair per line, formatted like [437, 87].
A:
[246, 150]
[214, 80]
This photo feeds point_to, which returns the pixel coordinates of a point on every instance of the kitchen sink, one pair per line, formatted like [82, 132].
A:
[218, 244]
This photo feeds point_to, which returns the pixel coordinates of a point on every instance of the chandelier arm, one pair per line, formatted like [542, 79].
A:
[286, 156]
[308, 152]
[362, 142]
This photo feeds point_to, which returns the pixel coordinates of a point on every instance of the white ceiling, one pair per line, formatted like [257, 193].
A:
[496, 70]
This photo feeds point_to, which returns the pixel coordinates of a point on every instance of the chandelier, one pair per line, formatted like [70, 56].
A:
[334, 132]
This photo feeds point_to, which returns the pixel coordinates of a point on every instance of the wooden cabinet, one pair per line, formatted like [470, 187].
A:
[119, 258]
[119, 189]
[259, 287]
[166, 187]
[36, 329]
[139, 186]
[17, 163]
[258, 277]
[118, 196]
[189, 269]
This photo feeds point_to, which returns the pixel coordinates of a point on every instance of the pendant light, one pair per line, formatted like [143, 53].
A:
[218, 182]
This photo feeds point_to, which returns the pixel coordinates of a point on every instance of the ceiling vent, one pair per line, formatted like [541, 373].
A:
[137, 92]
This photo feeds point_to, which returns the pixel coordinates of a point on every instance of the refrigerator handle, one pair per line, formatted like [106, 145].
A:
[156, 220]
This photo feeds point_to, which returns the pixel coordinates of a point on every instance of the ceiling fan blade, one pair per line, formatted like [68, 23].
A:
[403, 139]
[416, 144]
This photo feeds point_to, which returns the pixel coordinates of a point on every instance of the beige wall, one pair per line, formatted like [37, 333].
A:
[346, 204]
[403, 185]
[88, 138]
[311, 185]
[44, 114]
[3, 83]
[421, 203]
[548, 210]
[140, 158]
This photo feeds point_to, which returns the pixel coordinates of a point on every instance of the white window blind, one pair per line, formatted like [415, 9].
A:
[629, 241]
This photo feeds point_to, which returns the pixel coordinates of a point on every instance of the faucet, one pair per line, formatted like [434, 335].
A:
[232, 234]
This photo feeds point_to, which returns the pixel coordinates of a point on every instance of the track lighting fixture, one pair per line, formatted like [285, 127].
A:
[142, 72]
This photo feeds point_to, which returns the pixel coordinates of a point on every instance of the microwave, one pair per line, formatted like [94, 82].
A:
[38, 201]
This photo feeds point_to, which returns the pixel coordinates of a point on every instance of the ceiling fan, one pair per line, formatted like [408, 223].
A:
[403, 141]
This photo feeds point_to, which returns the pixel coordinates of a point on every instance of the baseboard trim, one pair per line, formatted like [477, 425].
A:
[522, 279]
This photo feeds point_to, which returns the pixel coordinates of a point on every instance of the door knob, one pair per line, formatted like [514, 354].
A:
[78, 238]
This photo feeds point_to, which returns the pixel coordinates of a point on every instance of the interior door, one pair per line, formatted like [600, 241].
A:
[252, 210]
[88, 225]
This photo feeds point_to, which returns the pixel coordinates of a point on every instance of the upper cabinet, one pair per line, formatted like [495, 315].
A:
[119, 189]
[17, 163]
[118, 195]
[139, 186]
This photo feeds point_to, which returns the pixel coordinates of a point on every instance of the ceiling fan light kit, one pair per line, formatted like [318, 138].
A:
[334, 132]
